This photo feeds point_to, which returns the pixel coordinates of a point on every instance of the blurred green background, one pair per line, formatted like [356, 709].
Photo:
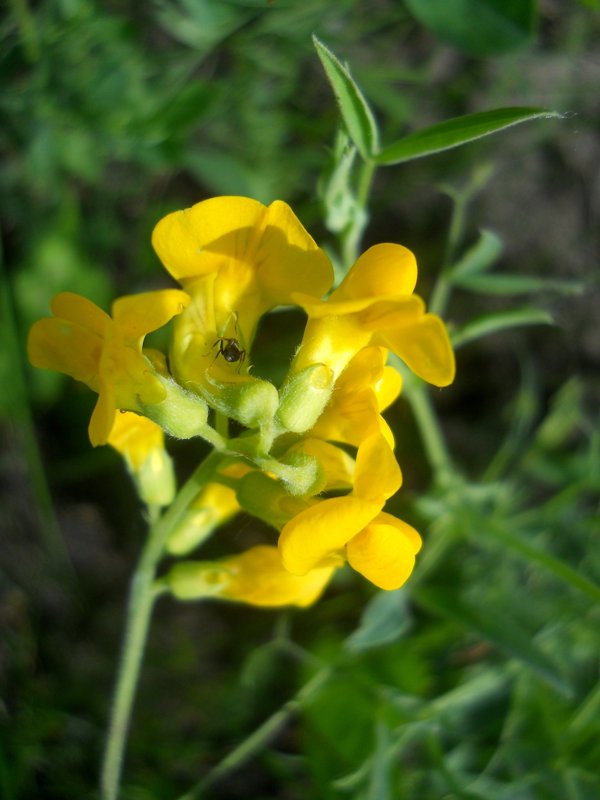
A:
[479, 680]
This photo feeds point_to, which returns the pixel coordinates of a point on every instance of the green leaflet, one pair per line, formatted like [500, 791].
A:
[358, 117]
[492, 323]
[457, 131]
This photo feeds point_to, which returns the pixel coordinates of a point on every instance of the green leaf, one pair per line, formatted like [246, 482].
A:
[358, 117]
[479, 27]
[384, 620]
[478, 258]
[504, 320]
[502, 630]
[457, 131]
[515, 284]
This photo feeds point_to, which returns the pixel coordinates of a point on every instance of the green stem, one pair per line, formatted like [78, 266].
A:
[365, 181]
[141, 600]
[222, 424]
[261, 736]
[441, 291]
[350, 240]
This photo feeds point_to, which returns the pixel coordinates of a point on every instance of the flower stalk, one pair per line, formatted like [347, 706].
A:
[139, 612]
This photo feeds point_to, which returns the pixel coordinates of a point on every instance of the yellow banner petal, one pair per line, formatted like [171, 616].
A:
[287, 258]
[382, 270]
[200, 239]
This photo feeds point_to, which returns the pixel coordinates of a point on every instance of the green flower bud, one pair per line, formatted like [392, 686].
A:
[251, 401]
[182, 414]
[155, 479]
[303, 398]
[265, 498]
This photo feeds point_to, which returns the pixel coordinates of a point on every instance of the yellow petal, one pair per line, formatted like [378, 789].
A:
[259, 578]
[424, 347]
[388, 388]
[350, 417]
[256, 577]
[317, 536]
[377, 474]
[331, 340]
[392, 312]
[287, 258]
[365, 369]
[386, 431]
[215, 505]
[200, 239]
[103, 416]
[384, 269]
[324, 308]
[135, 437]
[271, 242]
[81, 311]
[138, 314]
[66, 347]
[384, 552]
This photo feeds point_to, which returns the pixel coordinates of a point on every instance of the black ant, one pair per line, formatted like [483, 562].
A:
[230, 349]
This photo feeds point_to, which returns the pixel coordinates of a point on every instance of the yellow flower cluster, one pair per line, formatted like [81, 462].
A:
[236, 259]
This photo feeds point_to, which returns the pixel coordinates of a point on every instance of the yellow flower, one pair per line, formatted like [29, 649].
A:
[266, 498]
[354, 527]
[364, 389]
[82, 341]
[141, 442]
[215, 505]
[136, 438]
[237, 259]
[375, 305]
[256, 576]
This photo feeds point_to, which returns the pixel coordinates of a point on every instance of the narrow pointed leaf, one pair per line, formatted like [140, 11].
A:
[478, 258]
[515, 284]
[457, 131]
[492, 323]
[385, 619]
[358, 117]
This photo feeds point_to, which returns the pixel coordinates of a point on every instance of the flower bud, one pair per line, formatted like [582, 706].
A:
[303, 398]
[250, 401]
[141, 443]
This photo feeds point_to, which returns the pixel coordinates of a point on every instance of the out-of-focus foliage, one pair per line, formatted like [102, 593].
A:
[480, 680]
[479, 27]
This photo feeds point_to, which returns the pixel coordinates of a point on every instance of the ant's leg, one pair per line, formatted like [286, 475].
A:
[241, 359]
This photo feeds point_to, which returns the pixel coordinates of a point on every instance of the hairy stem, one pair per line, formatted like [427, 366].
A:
[139, 611]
